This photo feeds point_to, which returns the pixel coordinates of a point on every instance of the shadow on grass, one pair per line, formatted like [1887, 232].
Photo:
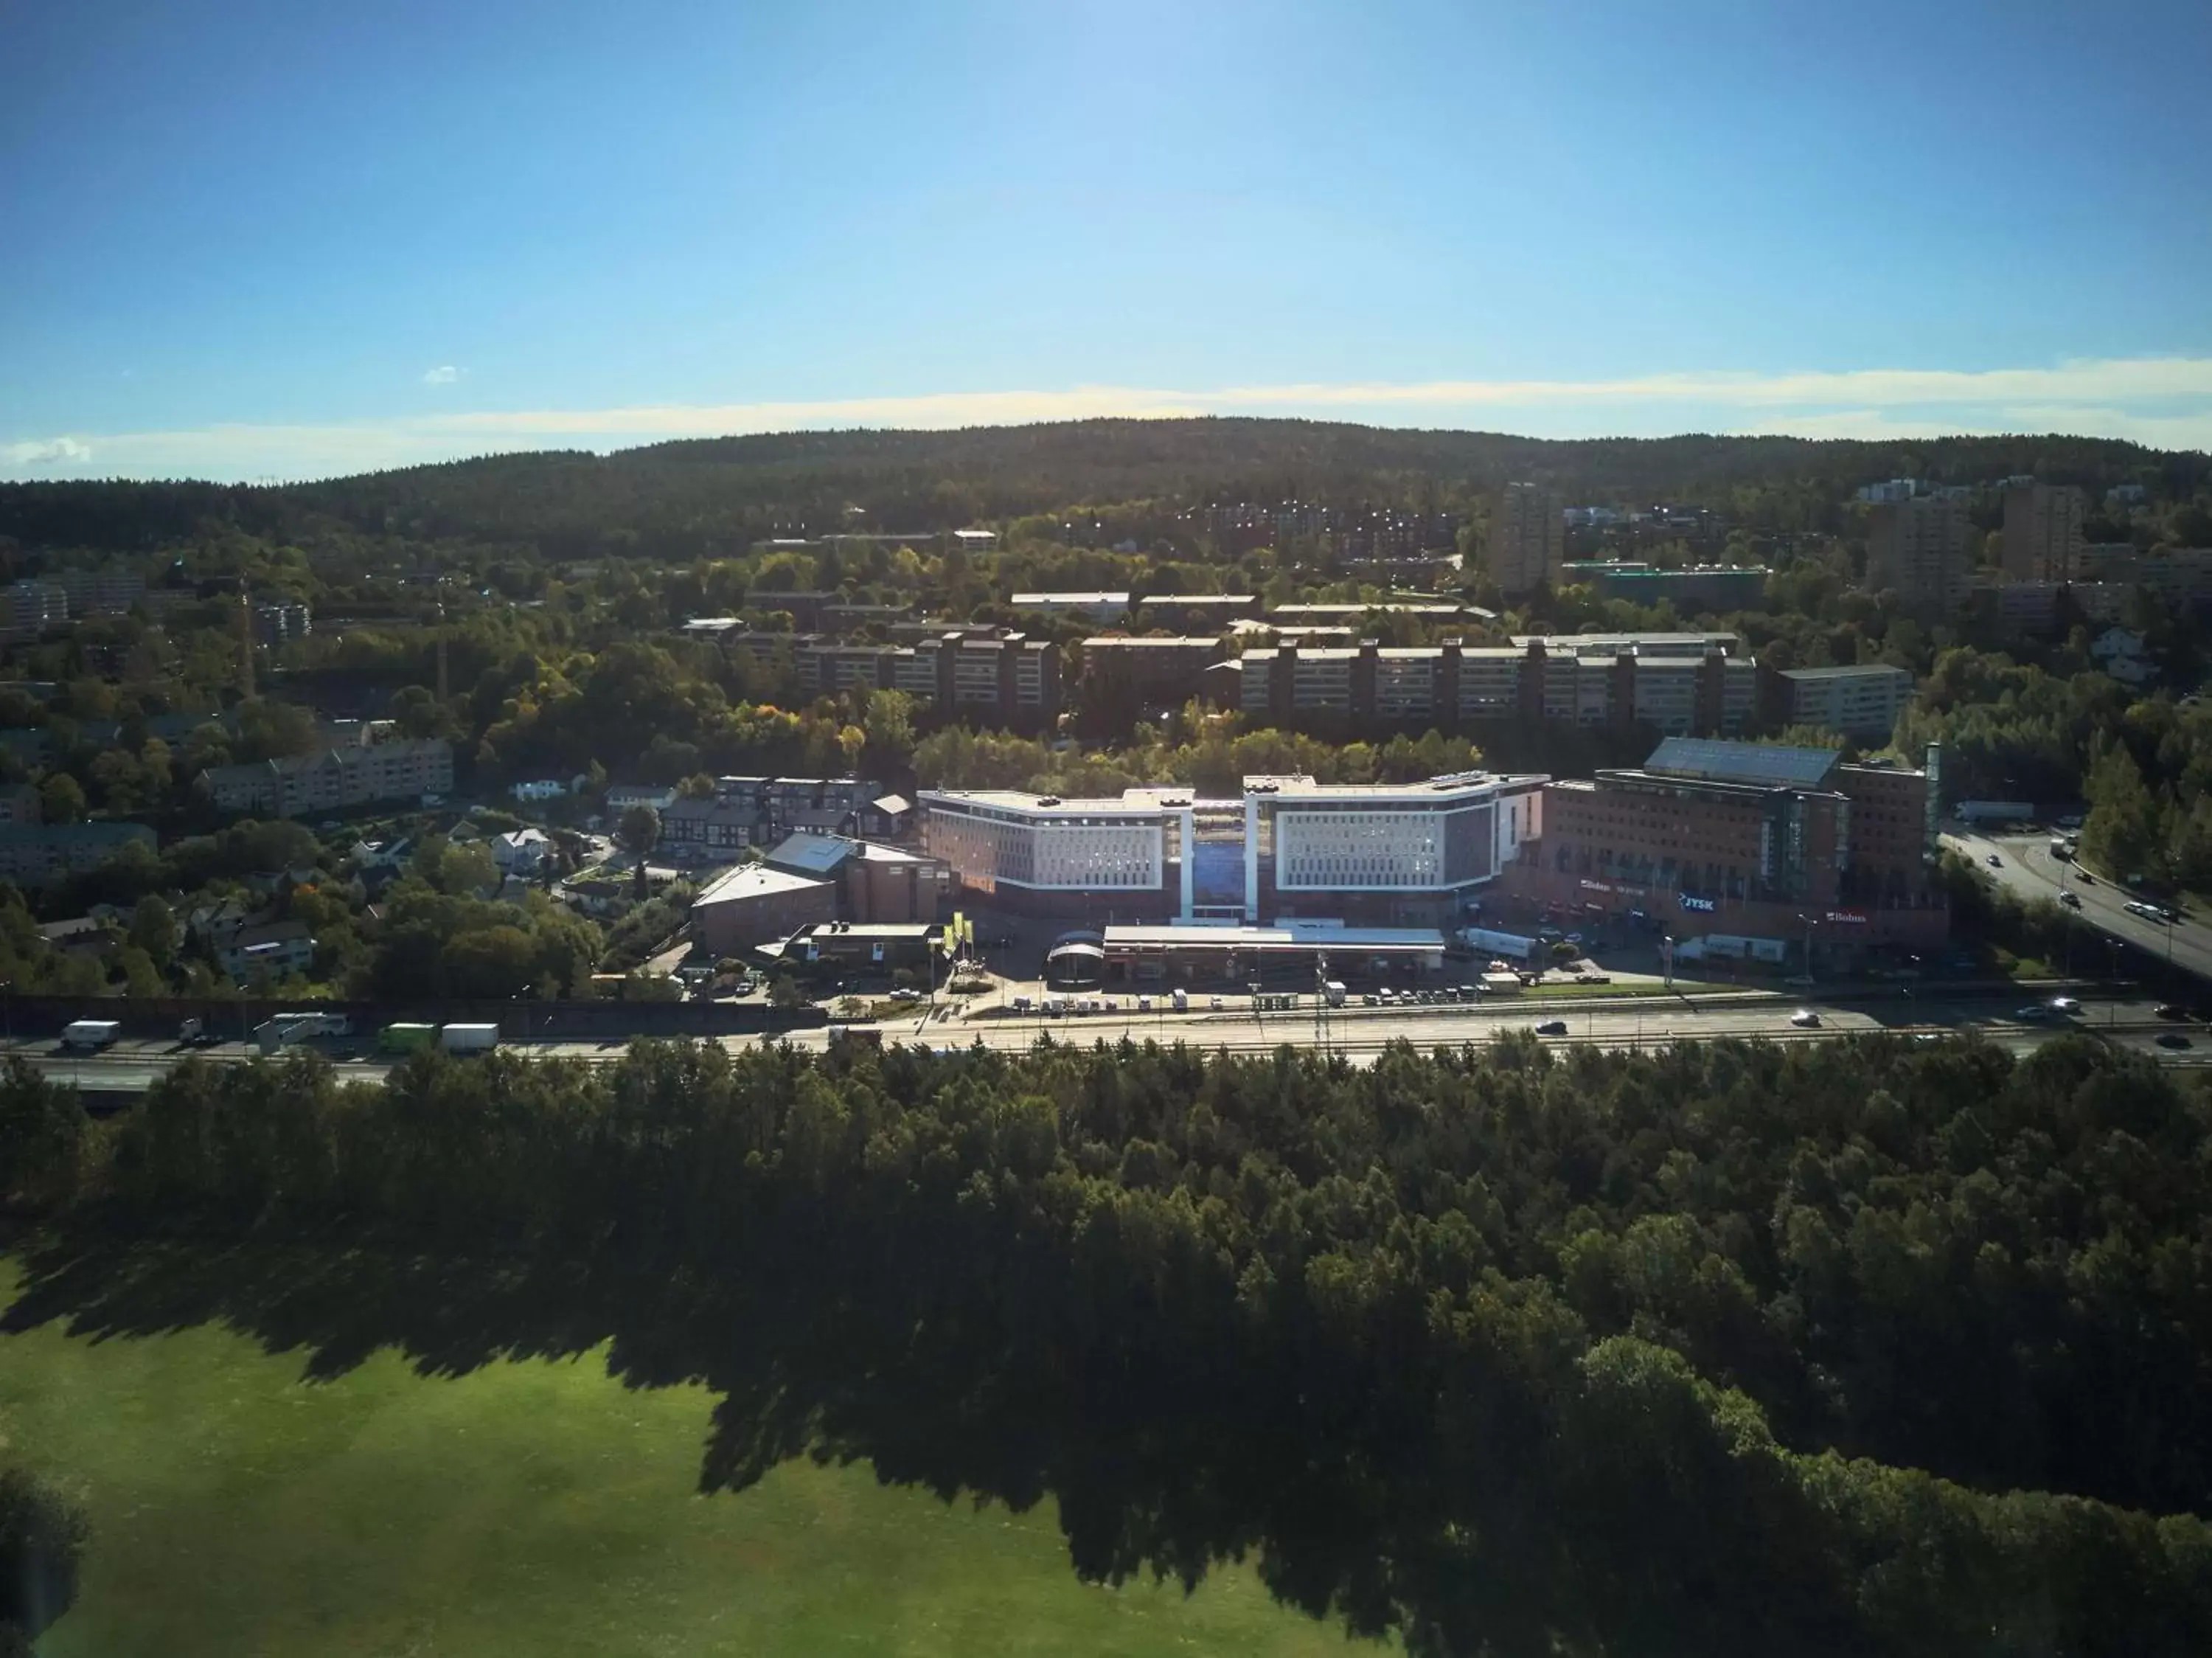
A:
[1150, 1474]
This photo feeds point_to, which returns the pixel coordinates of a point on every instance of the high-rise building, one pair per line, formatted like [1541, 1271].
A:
[2042, 531]
[1918, 549]
[1527, 537]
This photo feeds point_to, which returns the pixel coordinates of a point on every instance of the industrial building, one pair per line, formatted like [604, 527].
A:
[1381, 854]
[754, 904]
[1744, 839]
[1681, 684]
[875, 884]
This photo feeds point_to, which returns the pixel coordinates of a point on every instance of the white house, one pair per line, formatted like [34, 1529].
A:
[542, 788]
[2121, 652]
[521, 851]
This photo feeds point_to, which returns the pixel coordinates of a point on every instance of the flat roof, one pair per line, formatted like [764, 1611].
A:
[1292, 937]
[1070, 599]
[1717, 761]
[755, 881]
[1857, 670]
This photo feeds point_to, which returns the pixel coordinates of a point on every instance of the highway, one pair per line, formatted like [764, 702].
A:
[2027, 869]
[1357, 1033]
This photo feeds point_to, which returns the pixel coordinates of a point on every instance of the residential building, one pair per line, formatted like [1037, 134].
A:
[1716, 587]
[2119, 652]
[29, 609]
[1894, 489]
[354, 774]
[1527, 538]
[2042, 532]
[992, 675]
[2179, 576]
[539, 790]
[1096, 606]
[281, 624]
[753, 904]
[31, 854]
[621, 796]
[1197, 612]
[110, 590]
[266, 949]
[1380, 854]
[521, 851]
[1679, 683]
[1863, 701]
[1744, 842]
[1286, 617]
[1918, 548]
[1134, 677]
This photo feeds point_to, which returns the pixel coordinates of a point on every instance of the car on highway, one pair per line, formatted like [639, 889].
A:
[2034, 1014]
[2085, 877]
[1995, 861]
[2071, 900]
[1805, 1019]
[1214, 1005]
[2170, 1011]
[2064, 1004]
[2171, 1039]
[2147, 912]
[1553, 1027]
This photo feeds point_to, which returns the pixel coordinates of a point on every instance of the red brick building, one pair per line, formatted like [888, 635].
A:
[1745, 840]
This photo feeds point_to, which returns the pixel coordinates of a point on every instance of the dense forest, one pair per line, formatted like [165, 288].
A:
[712, 497]
[1883, 1347]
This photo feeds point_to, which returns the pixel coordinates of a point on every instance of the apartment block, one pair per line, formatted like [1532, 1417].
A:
[1918, 549]
[354, 774]
[2042, 532]
[28, 609]
[31, 854]
[1863, 701]
[1681, 684]
[1527, 539]
[992, 675]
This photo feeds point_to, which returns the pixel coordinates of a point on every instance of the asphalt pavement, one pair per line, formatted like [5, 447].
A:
[2026, 867]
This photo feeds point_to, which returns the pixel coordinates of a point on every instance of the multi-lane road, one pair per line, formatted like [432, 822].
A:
[2025, 866]
[1360, 1032]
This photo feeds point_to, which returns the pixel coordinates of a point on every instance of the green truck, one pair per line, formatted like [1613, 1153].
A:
[407, 1038]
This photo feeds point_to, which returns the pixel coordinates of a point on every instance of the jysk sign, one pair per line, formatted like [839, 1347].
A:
[1689, 902]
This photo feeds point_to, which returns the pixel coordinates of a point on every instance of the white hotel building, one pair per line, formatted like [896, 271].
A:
[1382, 854]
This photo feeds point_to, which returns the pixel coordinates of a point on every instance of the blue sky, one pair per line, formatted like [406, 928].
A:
[285, 239]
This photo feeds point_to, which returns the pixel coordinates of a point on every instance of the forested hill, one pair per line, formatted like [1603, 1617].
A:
[694, 498]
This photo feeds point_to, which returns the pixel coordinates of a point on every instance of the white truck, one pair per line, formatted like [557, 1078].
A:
[1501, 984]
[1333, 993]
[1181, 1001]
[468, 1038]
[90, 1035]
[282, 1029]
[1513, 946]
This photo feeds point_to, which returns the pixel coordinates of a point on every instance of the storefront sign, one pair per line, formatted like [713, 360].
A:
[1690, 903]
[1596, 886]
[1855, 917]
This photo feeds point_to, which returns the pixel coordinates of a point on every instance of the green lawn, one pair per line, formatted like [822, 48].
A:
[532, 1508]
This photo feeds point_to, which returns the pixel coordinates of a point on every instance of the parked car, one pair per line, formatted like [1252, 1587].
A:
[1553, 1027]
[1805, 1019]
[2171, 1039]
[2071, 900]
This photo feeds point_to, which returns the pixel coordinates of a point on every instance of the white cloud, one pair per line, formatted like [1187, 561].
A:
[47, 452]
[444, 374]
[2166, 401]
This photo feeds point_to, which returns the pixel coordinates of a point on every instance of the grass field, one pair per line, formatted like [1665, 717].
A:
[528, 1509]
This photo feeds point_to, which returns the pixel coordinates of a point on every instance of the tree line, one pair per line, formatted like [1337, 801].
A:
[1882, 1347]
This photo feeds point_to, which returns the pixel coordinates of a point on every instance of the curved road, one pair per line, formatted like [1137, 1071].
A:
[2027, 869]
